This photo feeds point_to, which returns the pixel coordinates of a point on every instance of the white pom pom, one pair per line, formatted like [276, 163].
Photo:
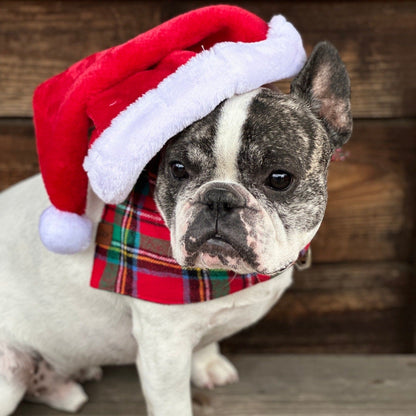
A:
[64, 232]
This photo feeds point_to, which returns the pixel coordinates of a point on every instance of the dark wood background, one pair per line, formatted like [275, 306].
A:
[359, 296]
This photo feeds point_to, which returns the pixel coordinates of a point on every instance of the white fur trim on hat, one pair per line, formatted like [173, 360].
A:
[64, 232]
[117, 157]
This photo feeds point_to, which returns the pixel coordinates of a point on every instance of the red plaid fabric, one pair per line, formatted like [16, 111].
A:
[133, 256]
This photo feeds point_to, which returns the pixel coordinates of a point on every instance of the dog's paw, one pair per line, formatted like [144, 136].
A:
[67, 396]
[70, 397]
[212, 370]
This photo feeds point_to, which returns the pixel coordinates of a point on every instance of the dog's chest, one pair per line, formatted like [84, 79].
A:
[211, 321]
[244, 308]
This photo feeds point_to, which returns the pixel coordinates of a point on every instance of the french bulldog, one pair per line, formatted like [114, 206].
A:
[242, 189]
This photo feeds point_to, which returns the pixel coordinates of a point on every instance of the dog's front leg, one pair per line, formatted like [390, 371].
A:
[164, 363]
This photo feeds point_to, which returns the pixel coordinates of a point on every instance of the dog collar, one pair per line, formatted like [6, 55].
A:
[133, 256]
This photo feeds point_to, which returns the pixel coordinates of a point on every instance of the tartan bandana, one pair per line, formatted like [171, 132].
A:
[133, 256]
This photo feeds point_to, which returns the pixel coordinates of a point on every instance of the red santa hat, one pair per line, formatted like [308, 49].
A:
[104, 118]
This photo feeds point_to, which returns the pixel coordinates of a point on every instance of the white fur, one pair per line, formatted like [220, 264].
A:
[229, 132]
[117, 157]
[210, 368]
[47, 307]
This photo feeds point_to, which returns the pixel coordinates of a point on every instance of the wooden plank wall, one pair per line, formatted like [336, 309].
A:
[360, 294]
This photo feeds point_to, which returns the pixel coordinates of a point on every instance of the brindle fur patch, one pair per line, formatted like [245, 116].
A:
[295, 133]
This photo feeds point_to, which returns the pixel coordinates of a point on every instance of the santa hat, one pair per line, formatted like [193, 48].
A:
[105, 117]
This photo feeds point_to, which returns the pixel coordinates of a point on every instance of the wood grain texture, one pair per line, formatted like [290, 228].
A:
[357, 307]
[40, 38]
[283, 385]
[370, 215]
[18, 159]
[372, 196]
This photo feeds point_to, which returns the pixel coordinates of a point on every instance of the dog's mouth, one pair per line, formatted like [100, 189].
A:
[216, 251]
[219, 247]
[215, 243]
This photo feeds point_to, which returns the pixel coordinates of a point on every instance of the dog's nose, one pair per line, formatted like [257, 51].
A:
[222, 200]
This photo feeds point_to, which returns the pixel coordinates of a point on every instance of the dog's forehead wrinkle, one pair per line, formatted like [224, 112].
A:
[196, 140]
[201, 156]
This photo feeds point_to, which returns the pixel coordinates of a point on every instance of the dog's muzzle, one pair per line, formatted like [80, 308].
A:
[218, 227]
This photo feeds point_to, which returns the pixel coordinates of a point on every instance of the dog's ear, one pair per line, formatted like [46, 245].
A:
[324, 84]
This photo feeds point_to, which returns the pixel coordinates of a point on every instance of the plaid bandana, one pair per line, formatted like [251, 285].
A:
[133, 256]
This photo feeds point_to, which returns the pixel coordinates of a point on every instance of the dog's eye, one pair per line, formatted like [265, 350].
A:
[279, 180]
[178, 170]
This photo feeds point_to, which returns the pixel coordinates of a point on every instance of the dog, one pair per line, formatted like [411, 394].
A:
[243, 189]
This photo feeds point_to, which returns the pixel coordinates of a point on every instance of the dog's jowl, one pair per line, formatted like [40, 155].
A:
[242, 189]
